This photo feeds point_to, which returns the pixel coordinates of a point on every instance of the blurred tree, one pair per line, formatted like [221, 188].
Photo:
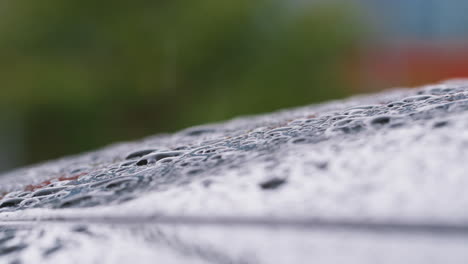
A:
[85, 73]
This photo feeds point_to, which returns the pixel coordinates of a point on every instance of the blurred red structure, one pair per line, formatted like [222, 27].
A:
[410, 64]
[414, 42]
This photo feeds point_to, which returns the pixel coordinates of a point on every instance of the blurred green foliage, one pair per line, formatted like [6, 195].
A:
[85, 73]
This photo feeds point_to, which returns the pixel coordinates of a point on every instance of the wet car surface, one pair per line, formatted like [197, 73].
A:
[370, 179]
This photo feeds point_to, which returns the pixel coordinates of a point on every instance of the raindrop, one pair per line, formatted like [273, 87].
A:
[440, 124]
[11, 202]
[139, 153]
[152, 158]
[75, 201]
[273, 183]
[47, 191]
[380, 121]
[197, 131]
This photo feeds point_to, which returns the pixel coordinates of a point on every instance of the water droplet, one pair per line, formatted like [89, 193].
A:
[72, 202]
[152, 158]
[380, 121]
[11, 202]
[139, 153]
[440, 124]
[197, 131]
[48, 191]
[273, 183]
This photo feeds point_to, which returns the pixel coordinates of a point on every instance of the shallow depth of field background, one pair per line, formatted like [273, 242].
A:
[79, 74]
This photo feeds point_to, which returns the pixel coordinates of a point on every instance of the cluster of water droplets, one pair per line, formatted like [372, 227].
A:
[130, 170]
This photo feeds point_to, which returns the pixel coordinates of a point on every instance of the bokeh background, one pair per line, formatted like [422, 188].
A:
[79, 74]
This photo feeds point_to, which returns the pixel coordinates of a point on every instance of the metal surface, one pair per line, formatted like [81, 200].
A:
[370, 179]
